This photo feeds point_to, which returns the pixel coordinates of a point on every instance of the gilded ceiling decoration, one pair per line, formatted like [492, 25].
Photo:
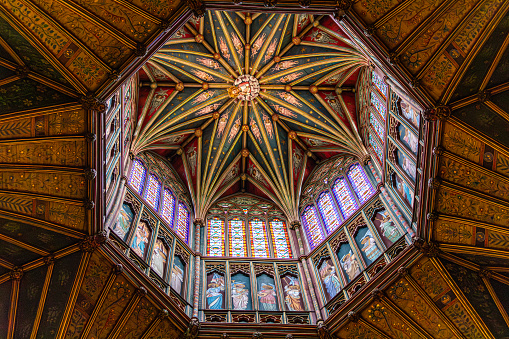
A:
[249, 98]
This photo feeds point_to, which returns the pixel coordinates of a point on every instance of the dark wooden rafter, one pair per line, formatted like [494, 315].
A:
[16, 277]
[115, 332]
[42, 300]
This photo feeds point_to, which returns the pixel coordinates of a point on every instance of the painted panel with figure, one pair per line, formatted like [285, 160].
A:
[293, 293]
[407, 165]
[386, 227]
[141, 238]
[403, 189]
[367, 244]
[125, 219]
[177, 274]
[160, 257]
[408, 138]
[409, 112]
[215, 291]
[241, 292]
[349, 262]
[267, 296]
[330, 279]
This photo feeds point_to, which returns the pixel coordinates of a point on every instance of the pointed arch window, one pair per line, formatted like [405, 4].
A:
[359, 180]
[328, 211]
[280, 240]
[182, 227]
[168, 207]
[215, 237]
[237, 237]
[344, 197]
[153, 191]
[259, 243]
[137, 177]
[312, 226]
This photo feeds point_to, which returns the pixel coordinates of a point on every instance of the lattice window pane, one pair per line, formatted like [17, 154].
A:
[379, 84]
[312, 226]
[377, 126]
[328, 212]
[237, 233]
[182, 228]
[259, 243]
[280, 240]
[168, 208]
[344, 197]
[379, 105]
[153, 191]
[376, 147]
[360, 182]
[215, 237]
[137, 177]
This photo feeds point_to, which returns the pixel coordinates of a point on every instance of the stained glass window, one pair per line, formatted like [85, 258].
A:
[215, 237]
[153, 191]
[259, 244]
[168, 208]
[137, 177]
[376, 147]
[379, 105]
[328, 211]
[182, 228]
[377, 126]
[280, 240]
[379, 83]
[344, 197]
[237, 233]
[312, 226]
[359, 180]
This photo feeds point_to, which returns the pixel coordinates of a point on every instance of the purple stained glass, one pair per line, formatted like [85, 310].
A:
[344, 197]
[360, 182]
[376, 147]
[312, 226]
[153, 191]
[168, 208]
[379, 105]
[379, 83]
[377, 126]
[215, 240]
[137, 177]
[328, 212]
[182, 228]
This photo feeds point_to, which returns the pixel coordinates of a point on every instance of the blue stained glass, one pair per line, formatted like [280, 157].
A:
[182, 228]
[237, 239]
[312, 226]
[259, 243]
[137, 177]
[359, 180]
[280, 240]
[379, 83]
[168, 208]
[153, 191]
[376, 147]
[215, 239]
[379, 105]
[328, 211]
[344, 197]
[377, 126]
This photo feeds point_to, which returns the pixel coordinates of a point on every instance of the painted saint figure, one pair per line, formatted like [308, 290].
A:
[267, 297]
[350, 265]
[125, 219]
[370, 248]
[215, 292]
[240, 296]
[389, 230]
[330, 279]
[159, 257]
[292, 295]
[177, 278]
[140, 240]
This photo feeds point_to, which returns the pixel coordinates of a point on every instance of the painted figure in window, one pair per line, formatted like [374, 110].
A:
[267, 297]
[350, 265]
[140, 240]
[240, 296]
[409, 167]
[177, 278]
[405, 191]
[370, 248]
[215, 292]
[125, 218]
[410, 113]
[159, 257]
[330, 279]
[389, 230]
[292, 294]
[409, 139]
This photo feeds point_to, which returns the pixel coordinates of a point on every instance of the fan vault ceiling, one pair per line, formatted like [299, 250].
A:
[53, 53]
